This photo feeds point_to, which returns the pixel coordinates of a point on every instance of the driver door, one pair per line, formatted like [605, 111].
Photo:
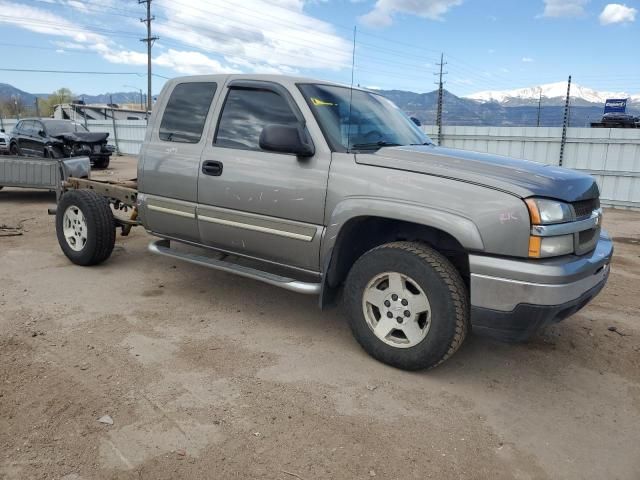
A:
[257, 203]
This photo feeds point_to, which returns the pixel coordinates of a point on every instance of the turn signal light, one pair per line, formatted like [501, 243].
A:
[535, 246]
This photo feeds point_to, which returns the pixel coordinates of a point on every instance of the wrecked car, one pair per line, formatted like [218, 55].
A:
[53, 138]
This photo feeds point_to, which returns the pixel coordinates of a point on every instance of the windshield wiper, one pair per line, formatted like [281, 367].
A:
[378, 144]
[425, 143]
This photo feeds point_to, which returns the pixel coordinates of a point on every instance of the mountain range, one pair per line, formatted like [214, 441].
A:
[490, 108]
[580, 95]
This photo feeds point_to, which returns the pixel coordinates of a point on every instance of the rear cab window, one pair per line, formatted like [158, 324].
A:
[186, 112]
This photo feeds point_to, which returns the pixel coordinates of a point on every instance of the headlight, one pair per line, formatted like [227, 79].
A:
[545, 212]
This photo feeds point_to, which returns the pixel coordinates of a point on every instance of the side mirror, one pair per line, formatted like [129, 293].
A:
[42, 133]
[286, 139]
[2, 130]
[416, 121]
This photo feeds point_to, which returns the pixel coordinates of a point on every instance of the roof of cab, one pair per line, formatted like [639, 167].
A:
[290, 80]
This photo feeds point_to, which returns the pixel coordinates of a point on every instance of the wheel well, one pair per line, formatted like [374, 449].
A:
[361, 234]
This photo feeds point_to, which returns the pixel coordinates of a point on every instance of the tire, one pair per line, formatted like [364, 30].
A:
[85, 227]
[13, 149]
[101, 163]
[402, 273]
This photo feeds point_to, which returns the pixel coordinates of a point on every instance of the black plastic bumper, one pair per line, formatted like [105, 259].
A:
[525, 320]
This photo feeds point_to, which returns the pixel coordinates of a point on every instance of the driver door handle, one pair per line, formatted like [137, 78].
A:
[212, 168]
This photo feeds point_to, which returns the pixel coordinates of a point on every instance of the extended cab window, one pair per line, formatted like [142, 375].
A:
[186, 111]
[246, 112]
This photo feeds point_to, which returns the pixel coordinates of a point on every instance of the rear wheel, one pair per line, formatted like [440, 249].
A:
[408, 306]
[85, 227]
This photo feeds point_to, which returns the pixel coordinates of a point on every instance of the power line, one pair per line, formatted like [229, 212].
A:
[34, 70]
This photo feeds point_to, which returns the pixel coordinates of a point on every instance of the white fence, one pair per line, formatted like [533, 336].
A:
[611, 155]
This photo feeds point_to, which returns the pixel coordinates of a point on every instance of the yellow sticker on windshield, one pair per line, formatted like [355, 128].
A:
[321, 103]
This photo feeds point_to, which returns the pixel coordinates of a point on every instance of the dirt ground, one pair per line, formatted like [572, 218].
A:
[207, 375]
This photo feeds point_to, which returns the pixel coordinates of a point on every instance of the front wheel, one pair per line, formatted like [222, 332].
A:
[408, 306]
[13, 149]
[85, 227]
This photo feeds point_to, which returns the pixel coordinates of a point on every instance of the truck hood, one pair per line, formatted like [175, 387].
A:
[82, 137]
[519, 177]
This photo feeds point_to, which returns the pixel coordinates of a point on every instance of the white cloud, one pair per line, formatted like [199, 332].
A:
[190, 63]
[527, 59]
[259, 35]
[383, 10]
[42, 21]
[267, 35]
[78, 6]
[617, 13]
[564, 8]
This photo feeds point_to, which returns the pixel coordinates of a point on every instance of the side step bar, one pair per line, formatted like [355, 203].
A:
[163, 247]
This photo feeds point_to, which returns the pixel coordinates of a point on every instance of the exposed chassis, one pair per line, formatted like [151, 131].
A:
[121, 195]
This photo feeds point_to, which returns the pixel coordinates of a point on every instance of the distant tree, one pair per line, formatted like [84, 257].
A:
[47, 105]
[13, 107]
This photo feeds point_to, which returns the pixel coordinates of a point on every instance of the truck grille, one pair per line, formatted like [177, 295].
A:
[587, 240]
[585, 208]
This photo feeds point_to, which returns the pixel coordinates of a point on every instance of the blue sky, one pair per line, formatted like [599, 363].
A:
[488, 44]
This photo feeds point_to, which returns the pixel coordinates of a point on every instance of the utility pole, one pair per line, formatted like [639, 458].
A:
[113, 122]
[149, 40]
[565, 122]
[37, 108]
[15, 104]
[440, 95]
[539, 107]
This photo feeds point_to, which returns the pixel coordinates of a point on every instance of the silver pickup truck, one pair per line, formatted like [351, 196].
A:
[323, 189]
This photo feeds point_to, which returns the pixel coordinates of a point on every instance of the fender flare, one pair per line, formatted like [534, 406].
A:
[461, 228]
[456, 225]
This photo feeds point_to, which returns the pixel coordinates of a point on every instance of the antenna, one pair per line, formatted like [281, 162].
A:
[353, 66]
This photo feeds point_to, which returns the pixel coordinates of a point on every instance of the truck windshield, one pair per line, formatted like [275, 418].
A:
[360, 120]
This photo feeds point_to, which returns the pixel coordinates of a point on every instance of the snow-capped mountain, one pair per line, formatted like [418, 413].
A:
[549, 90]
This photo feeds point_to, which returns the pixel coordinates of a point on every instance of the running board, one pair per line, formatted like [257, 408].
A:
[163, 247]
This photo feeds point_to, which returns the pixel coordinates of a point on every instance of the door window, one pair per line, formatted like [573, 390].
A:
[186, 112]
[28, 127]
[246, 112]
[37, 128]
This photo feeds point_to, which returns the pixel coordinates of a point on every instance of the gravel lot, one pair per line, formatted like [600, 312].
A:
[207, 375]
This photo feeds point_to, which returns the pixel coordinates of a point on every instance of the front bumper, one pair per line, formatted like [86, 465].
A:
[512, 299]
